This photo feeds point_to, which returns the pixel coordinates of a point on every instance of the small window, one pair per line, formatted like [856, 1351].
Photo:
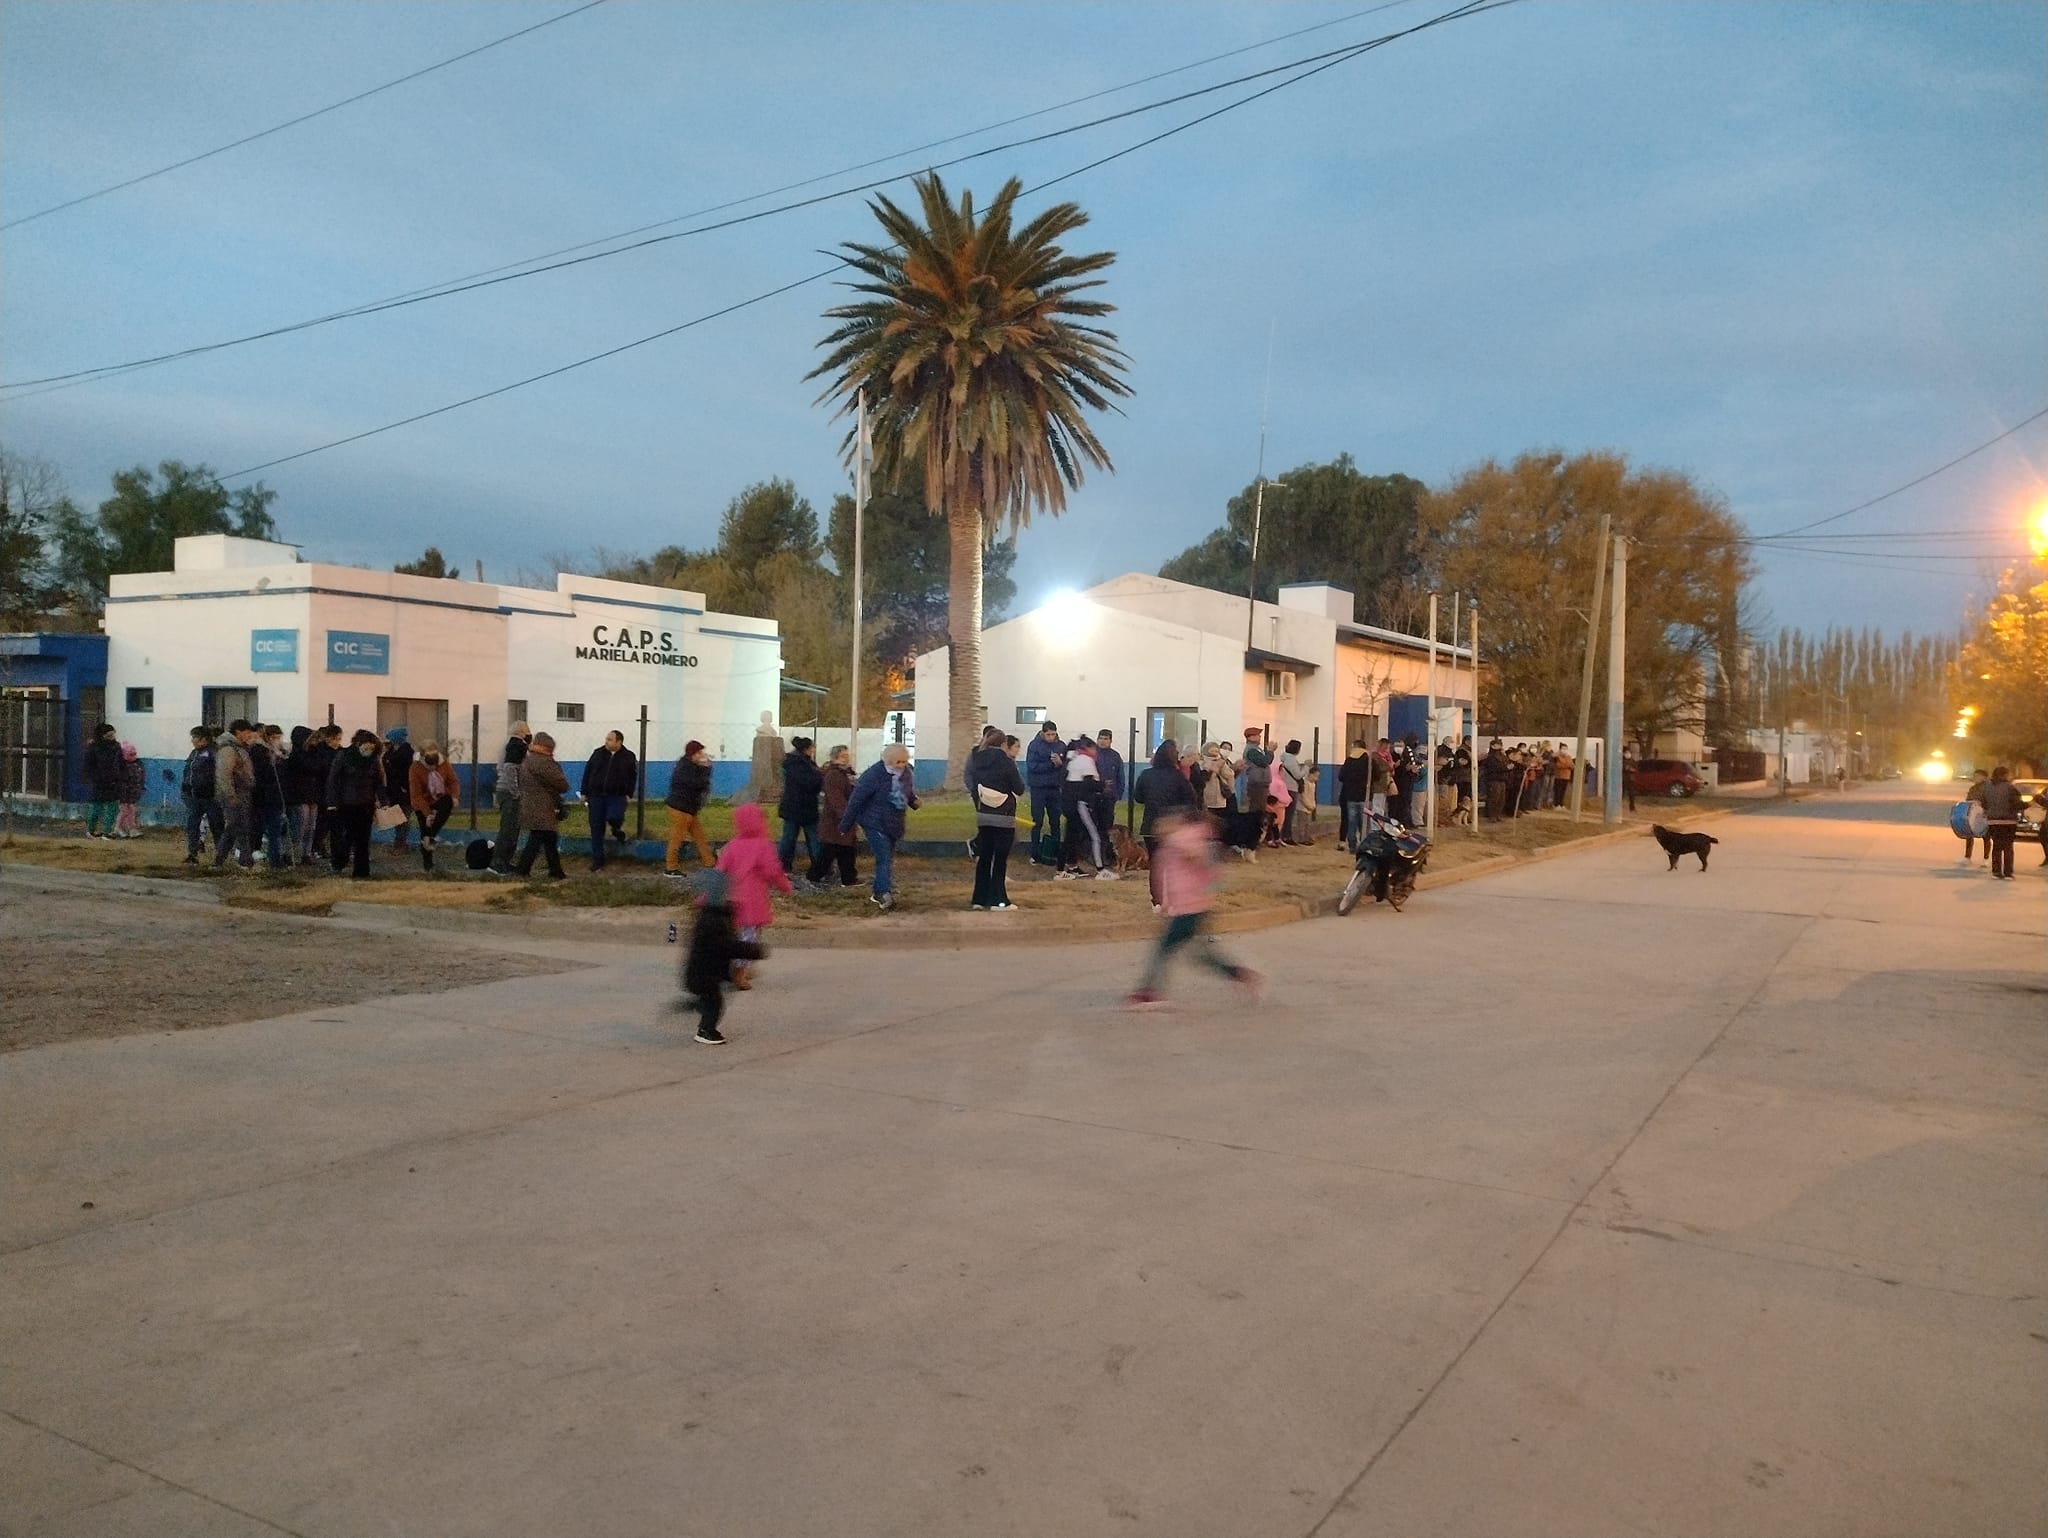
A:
[515, 713]
[1030, 715]
[1279, 685]
[564, 711]
[141, 701]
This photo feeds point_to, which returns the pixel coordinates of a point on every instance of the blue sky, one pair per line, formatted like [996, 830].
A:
[1799, 251]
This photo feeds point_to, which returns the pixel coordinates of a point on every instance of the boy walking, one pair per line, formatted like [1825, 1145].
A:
[715, 950]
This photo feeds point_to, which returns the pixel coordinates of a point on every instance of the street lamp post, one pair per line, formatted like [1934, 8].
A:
[1251, 591]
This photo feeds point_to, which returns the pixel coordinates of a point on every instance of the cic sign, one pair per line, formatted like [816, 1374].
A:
[358, 651]
[273, 651]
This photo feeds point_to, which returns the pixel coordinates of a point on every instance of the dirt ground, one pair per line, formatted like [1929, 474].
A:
[80, 967]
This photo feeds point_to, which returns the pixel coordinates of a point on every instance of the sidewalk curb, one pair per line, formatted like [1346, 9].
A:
[49, 878]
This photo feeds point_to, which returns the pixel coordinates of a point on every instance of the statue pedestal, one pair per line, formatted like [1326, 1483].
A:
[764, 773]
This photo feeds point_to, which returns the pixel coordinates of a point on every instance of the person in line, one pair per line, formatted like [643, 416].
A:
[355, 786]
[1628, 776]
[1562, 767]
[430, 791]
[1045, 773]
[398, 757]
[882, 799]
[102, 782]
[235, 781]
[199, 787]
[505, 848]
[302, 795]
[322, 749]
[716, 950]
[541, 788]
[1493, 781]
[611, 778]
[802, 783]
[134, 786]
[2002, 801]
[267, 802]
[1187, 880]
[1081, 808]
[1162, 789]
[1975, 793]
[1110, 765]
[1293, 776]
[1407, 772]
[1255, 781]
[1211, 782]
[752, 868]
[834, 847]
[1354, 792]
[688, 784]
[1279, 805]
[994, 784]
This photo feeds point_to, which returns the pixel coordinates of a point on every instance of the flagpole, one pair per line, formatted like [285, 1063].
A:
[860, 507]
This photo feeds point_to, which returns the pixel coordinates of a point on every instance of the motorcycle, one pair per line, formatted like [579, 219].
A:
[1389, 858]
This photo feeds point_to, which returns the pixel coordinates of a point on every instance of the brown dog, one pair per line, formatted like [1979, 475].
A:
[1128, 852]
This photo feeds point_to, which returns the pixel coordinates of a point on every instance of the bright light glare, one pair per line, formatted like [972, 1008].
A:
[1933, 771]
[2037, 533]
[1066, 618]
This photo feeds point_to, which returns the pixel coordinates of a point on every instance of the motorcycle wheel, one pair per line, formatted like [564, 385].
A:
[1348, 898]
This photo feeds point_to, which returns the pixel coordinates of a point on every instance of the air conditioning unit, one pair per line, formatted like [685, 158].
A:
[1279, 684]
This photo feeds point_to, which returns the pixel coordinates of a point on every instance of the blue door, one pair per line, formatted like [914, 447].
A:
[1407, 713]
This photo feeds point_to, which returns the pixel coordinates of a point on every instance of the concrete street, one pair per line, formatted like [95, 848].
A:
[1587, 1199]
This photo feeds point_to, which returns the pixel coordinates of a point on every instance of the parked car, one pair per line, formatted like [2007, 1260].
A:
[2029, 789]
[1667, 777]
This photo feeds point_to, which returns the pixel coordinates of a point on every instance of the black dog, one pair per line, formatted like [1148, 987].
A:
[1676, 844]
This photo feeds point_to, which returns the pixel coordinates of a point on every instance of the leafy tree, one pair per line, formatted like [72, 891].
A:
[977, 352]
[135, 528]
[906, 572]
[766, 520]
[2002, 673]
[1322, 523]
[31, 499]
[1522, 539]
[430, 564]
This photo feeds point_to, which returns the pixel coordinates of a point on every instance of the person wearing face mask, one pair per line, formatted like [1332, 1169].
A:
[430, 789]
[355, 782]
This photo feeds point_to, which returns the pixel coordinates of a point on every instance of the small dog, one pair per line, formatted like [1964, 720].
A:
[1676, 844]
[1128, 853]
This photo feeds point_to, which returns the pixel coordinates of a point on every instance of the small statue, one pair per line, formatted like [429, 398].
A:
[764, 774]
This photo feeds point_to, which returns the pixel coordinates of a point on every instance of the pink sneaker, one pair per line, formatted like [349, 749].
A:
[1145, 999]
[1253, 983]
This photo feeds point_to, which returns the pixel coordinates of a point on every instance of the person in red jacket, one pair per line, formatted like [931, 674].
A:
[751, 866]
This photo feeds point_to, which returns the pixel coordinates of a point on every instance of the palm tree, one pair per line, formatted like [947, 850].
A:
[975, 351]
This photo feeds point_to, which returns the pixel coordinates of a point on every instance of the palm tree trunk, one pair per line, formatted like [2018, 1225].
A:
[963, 634]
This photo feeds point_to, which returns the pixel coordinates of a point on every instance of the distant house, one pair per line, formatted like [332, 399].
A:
[1175, 659]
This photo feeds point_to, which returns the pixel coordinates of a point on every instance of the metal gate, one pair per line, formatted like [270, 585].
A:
[32, 744]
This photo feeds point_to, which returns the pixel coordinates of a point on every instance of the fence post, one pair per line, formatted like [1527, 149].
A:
[640, 799]
[476, 730]
[1130, 785]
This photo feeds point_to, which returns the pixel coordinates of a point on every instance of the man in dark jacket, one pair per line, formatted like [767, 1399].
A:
[610, 779]
[1354, 789]
[355, 784]
[1110, 765]
[397, 790]
[102, 781]
[267, 801]
[882, 798]
[199, 785]
[1045, 775]
[802, 783]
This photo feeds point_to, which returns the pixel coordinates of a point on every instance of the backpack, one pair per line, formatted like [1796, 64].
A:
[477, 853]
[1048, 849]
[199, 775]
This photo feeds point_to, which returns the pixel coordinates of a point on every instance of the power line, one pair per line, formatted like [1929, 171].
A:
[1470, 8]
[70, 380]
[1917, 480]
[304, 117]
[1324, 60]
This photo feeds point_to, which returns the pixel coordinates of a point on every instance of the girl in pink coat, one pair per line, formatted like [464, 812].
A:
[752, 866]
[1185, 862]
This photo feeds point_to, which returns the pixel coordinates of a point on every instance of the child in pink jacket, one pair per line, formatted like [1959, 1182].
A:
[1186, 863]
[751, 866]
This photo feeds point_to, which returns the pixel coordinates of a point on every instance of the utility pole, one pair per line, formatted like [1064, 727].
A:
[1429, 802]
[1472, 757]
[1617, 663]
[1251, 591]
[1586, 678]
[860, 507]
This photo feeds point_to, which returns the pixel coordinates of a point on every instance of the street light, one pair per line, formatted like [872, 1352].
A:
[1251, 592]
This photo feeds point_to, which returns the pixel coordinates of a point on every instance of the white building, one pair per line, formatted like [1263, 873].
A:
[1175, 658]
[244, 628]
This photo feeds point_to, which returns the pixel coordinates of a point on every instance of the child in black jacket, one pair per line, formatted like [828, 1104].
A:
[714, 946]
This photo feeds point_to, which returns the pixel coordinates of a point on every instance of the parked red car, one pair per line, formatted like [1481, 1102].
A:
[1667, 777]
